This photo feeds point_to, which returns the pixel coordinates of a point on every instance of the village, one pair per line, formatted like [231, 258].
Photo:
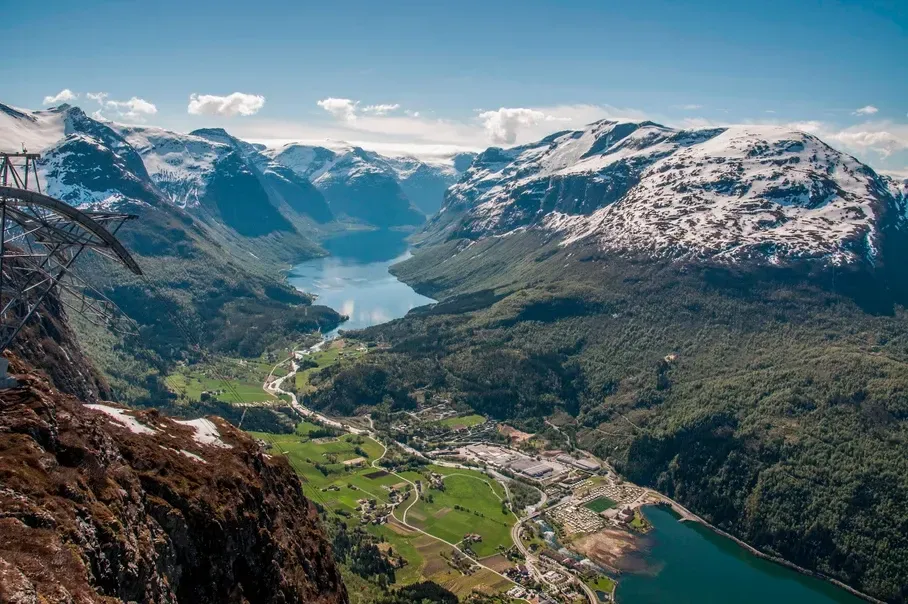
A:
[455, 458]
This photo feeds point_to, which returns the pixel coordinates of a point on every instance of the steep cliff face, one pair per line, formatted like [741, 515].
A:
[103, 504]
[48, 345]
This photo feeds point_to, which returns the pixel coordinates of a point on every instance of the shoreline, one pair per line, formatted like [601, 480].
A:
[686, 515]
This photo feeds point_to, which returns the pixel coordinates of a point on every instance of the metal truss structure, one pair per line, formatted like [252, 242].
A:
[40, 240]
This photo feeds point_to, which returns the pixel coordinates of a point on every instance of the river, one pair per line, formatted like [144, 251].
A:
[685, 562]
[354, 280]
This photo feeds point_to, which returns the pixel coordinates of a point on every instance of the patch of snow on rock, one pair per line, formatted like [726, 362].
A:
[206, 432]
[127, 421]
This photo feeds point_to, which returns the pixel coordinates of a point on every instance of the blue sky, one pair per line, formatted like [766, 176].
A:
[470, 74]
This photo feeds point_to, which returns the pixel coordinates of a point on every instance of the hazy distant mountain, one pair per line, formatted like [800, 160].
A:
[381, 190]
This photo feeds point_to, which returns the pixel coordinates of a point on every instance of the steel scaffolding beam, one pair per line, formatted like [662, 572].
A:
[40, 239]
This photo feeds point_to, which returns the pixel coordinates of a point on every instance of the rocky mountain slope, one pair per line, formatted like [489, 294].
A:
[640, 188]
[211, 257]
[363, 183]
[209, 168]
[103, 504]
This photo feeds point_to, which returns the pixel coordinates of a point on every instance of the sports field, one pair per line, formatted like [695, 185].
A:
[600, 504]
[465, 421]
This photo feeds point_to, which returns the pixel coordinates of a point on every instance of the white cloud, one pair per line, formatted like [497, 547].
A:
[808, 126]
[64, 96]
[418, 133]
[689, 107]
[502, 125]
[349, 110]
[342, 109]
[901, 174]
[133, 110]
[865, 110]
[237, 103]
[381, 109]
[693, 123]
[884, 139]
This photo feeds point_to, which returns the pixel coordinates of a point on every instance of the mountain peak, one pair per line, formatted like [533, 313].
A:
[216, 135]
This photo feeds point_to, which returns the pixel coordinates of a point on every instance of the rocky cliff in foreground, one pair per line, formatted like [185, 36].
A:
[103, 504]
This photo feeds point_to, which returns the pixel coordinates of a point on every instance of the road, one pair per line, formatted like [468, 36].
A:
[273, 385]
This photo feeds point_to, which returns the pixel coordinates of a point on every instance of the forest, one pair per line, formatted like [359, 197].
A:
[772, 401]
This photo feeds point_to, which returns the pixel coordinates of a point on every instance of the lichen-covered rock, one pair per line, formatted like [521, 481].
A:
[103, 504]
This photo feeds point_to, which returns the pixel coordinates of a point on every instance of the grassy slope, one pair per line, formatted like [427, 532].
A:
[202, 285]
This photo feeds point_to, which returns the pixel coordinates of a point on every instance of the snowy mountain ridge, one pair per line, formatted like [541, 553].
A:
[423, 182]
[726, 193]
[192, 171]
[178, 163]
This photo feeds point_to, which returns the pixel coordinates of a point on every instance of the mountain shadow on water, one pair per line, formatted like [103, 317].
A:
[368, 246]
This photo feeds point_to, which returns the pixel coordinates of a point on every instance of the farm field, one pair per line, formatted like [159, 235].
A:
[427, 561]
[191, 384]
[308, 455]
[427, 558]
[470, 503]
[243, 376]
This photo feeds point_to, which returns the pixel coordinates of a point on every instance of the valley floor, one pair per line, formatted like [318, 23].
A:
[426, 515]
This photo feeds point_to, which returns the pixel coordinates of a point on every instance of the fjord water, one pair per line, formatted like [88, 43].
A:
[354, 280]
[686, 563]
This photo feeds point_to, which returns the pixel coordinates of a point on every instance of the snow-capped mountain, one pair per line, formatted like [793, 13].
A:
[358, 182]
[188, 190]
[84, 162]
[209, 168]
[216, 176]
[725, 193]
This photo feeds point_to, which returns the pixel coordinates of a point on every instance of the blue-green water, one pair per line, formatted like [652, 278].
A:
[685, 562]
[355, 280]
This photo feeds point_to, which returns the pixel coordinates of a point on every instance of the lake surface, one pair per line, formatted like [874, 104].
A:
[355, 280]
[686, 562]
